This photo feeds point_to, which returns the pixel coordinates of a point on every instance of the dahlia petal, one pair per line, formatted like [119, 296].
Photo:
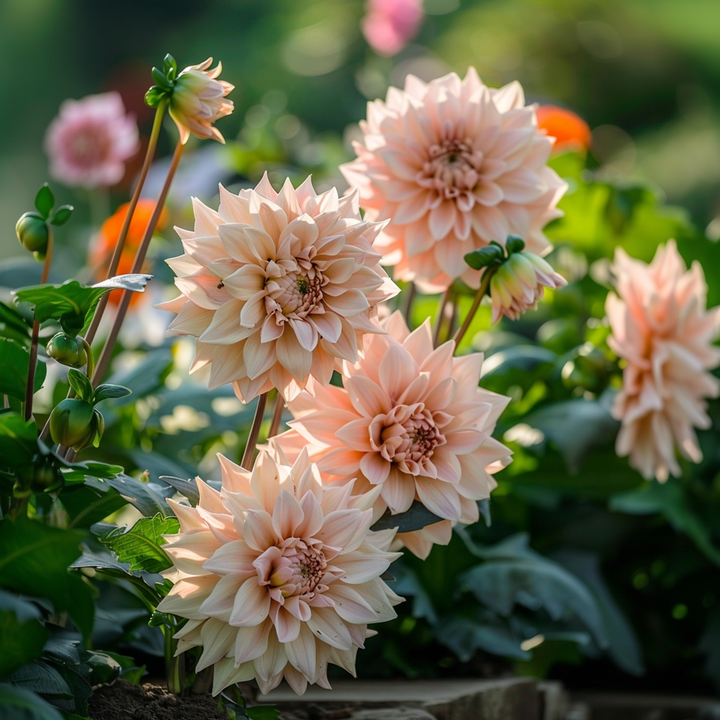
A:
[398, 491]
[439, 497]
[301, 653]
[258, 530]
[251, 606]
[219, 603]
[375, 468]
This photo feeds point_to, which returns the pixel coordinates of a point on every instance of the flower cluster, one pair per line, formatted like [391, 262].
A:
[277, 286]
[661, 328]
[454, 165]
[411, 421]
[278, 575]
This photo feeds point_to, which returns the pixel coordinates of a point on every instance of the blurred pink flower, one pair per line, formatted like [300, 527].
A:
[390, 24]
[410, 420]
[453, 165]
[90, 140]
[276, 286]
[277, 575]
[519, 283]
[661, 328]
[198, 100]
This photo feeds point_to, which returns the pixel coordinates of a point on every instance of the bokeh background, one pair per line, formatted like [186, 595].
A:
[644, 75]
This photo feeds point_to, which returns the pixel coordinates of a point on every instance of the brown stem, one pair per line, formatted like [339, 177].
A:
[30, 389]
[277, 416]
[407, 303]
[249, 454]
[106, 353]
[441, 316]
[117, 253]
[482, 290]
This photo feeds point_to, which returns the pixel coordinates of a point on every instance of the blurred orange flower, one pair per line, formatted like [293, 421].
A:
[570, 131]
[104, 244]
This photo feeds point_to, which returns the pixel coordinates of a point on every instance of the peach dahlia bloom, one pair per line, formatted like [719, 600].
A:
[199, 99]
[453, 165]
[90, 140]
[661, 328]
[277, 575]
[410, 420]
[277, 286]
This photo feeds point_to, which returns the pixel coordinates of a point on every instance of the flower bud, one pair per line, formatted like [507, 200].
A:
[67, 350]
[519, 283]
[73, 423]
[32, 232]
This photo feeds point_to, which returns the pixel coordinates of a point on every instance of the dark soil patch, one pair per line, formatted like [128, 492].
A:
[123, 701]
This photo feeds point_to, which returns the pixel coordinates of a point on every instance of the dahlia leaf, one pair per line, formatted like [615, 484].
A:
[14, 361]
[18, 702]
[416, 518]
[465, 636]
[22, 637]
[141, 544]
[149, 498]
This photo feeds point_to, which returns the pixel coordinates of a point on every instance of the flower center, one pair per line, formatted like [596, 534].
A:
[452, 168]
[89, 147]
[295, 569]
[407, 436]
[295, 294]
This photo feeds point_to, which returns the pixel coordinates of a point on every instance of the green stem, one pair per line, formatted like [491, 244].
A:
[482, 290]
[106, 354]
[249, 454]
[441, 315]
[173, 665]
[30, 387]
[117, 253]
[407, 303]
[277, 416]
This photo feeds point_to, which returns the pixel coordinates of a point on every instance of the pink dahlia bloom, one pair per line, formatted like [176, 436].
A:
[277, 286]
[661, 328]
[410, 420]
[277, 575]
[519, 283]
[90, 140]
[198, 100]
[390, 24]
[452, 165]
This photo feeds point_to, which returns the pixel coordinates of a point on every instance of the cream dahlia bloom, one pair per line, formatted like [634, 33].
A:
[453, 165]
[277, 286]
[519, 283]
[277, 575]
[661, 328]
[199, 99]
[411, 421]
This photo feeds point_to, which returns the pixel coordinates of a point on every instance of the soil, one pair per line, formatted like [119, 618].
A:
[123, 701]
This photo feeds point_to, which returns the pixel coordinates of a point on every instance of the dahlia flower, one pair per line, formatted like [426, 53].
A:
[277, 575]
[519, 283]
[90, 140]
[453, 165]
[661, 328]
[390, 24]
[570, 131]
[410, 420]
[276, 286]
[198, 99]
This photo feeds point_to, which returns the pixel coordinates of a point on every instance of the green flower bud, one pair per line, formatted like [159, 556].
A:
[32, 232]
[73, 423]
[67, 350]
[46, 476]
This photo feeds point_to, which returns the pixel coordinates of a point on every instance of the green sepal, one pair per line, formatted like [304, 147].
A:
[514, 244]
[44, 201]
[61, 215]
[479, 259]
[80, 383]
[108, 391]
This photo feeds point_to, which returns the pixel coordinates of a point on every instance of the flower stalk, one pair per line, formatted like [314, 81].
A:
[479, 295]
[249, 454]
[442, 309]
[277, 416]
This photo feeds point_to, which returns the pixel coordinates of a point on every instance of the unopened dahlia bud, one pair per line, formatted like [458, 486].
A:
[32, 232]
[67, 350]
[519, 283]
[75, 423]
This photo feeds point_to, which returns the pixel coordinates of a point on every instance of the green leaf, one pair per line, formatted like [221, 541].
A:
[81, 384]
[149, 498]
[188, 488]
[107, 391]
[519, 365]
[42, 678]
[13, 325]
[18, 440]
[135, 282]
[14, 361]
[407, 584]
[22, 636]
[61, 215]
[141, 545]
[478, 259]
[19, 704]
[465, 637]
[263, 712]
[416, 518]
[104, 668]
[148, 375]
[52, 302]
[44, 201]
[90, 503]
[670, 500]
[513, 574]
[128, 669]
[34, 560]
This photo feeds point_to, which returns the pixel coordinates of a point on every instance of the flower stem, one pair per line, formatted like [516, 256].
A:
[440, 321]
[277, 416]
[482, 290]
[30, 388]
[173, 665]
[407, 303]
[117, 253]
[106, 353]
[249, 454]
